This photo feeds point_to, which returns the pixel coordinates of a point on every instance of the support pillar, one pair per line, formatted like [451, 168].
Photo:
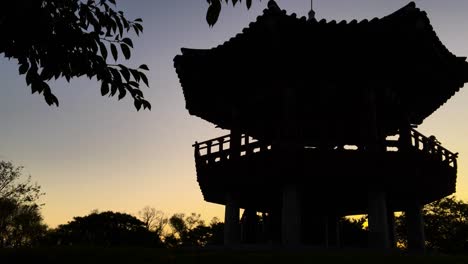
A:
[249, 226]
[333, 231]
[415, 227]
[326, 233]
[232, 232]
[235, 141]
[231, 222]
[391, 227]
[378, 221]
[291, 216]
[404, 139]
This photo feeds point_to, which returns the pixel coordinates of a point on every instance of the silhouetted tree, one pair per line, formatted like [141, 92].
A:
[154, 220]
[72, 38]
[445, 223]
[104, 229]
[191, 231]
[11, 188]
[216, 232]
[21, 223]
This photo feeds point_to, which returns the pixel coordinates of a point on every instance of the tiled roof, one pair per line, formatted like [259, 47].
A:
[400, 51]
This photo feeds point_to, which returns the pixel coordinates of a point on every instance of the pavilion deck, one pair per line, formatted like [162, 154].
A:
[338, 178]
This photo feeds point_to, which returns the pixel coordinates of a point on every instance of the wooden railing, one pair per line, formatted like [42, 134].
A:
[218, 149]
[430, 146]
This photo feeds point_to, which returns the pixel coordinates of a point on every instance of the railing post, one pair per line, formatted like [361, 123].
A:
[405, 137]
[197, 150]
[416, 141]
[208, 151]
[248, 149]
[439, 152]
[222, 155]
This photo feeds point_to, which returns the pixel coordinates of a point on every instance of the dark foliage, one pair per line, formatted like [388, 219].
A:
[190, 231]
[445, 224]
[21, 223]
[104, 229]
[214, 9]
[72, 38]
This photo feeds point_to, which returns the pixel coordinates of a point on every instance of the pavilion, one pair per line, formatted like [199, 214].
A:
[322, 118]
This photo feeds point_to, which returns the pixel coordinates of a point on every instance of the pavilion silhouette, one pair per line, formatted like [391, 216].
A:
[322, 118]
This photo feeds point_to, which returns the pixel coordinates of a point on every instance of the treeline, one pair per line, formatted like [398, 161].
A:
[446, 228]
[21, 224]
[150, 229]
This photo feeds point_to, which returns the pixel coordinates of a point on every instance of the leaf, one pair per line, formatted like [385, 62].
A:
[249, 3]
[128, 42]
[139, 26]
[49, 97]
[125, 23]
[144, 78]
[138, 20]
[144, 67]
[116, 75]
[104, 88]
[125, 72]
[23, 68]
[146, 104]
[136, 92]
[113, 89]
[136, 30]
[135, 84]
[46, 73]
[125, 50]
[137, 104]
[112, 2]
[103, 49]
[35, 87]
[213, 12]
[39, 86]
[135, 74]
[119, 25]
[31, 76]
[114, 51]
[122, 93]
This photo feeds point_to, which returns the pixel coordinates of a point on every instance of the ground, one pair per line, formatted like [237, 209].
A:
[245, 256]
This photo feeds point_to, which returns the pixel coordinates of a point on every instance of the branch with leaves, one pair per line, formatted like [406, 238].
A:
[69, 39]
[214, 9]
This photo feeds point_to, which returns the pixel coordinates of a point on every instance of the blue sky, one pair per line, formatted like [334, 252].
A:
[94, 152]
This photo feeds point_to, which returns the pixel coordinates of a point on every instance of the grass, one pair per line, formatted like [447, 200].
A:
[218, 256]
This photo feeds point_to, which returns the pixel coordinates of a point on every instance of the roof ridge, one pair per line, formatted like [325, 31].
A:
[273, 6]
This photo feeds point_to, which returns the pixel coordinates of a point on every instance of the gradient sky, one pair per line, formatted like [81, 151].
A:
[94, 152]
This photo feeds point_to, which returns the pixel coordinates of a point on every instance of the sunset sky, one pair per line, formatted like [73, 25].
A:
[94, 152]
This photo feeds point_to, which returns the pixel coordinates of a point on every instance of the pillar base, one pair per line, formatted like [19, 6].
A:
[231, 222]
[378, 221]
[291, 217]
[415, 227]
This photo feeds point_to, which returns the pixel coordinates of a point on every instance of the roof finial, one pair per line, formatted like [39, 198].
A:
[311, 12]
